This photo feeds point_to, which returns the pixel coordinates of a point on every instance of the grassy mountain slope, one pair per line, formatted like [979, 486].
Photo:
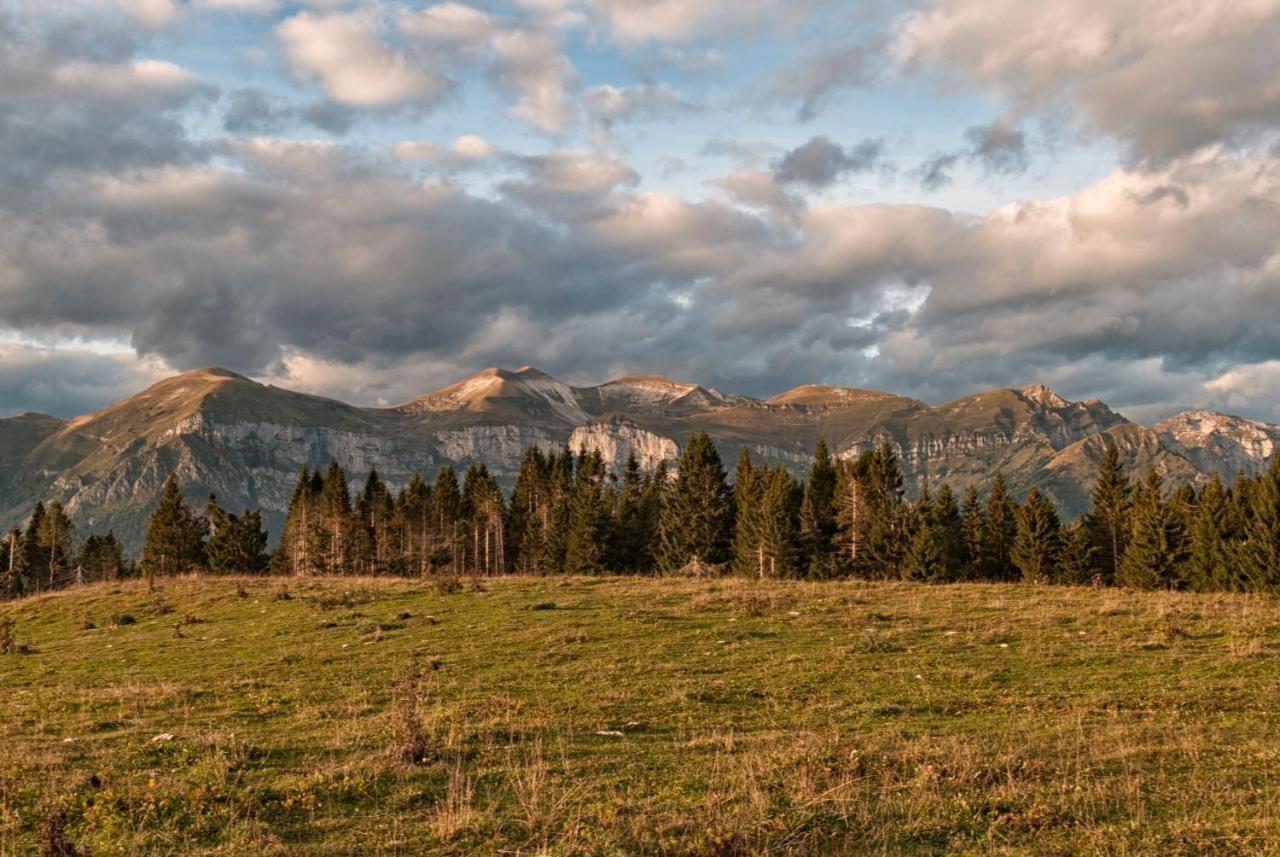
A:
[623, 716]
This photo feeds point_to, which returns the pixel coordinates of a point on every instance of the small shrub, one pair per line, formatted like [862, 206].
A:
[119, 620]
[162, 607]
[241, 591]
[543, 605]
[281, 594]
[448, 586]
[404, 615]
[8, 643]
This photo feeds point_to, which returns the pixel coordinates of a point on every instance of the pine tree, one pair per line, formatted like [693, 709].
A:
[1000, 528]
[949, 522]
[777, 523]
[53, 536]
[1213, 542]
[555, 540]
[335, 511]
[973, 520]
[626, 528]
[1109, 520]
[175, 535]
[413, 514]
[748, 491]
[446, 509]
[924, 559]
[1077, 561]
[1260, 554]
[1155, 546]
[871, 517]
[818, 513]
[301, 549]
[101, 558]
[1037, 547]
[34, 561]
[584, 547]
[236, 543]
[696, 518]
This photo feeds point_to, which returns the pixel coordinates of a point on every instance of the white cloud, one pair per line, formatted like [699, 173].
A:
[1163, 77]
[469, 150]
[531, 64]
[152, 13]
[353, 63]
[453, 25]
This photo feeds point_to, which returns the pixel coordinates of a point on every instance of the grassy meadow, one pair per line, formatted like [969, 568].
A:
[604, 716]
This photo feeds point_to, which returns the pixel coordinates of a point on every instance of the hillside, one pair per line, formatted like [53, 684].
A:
[613, 715]
[245, 442]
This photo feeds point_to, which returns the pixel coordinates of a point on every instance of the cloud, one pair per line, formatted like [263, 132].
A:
[1000, 147]
[813, 81]
[643, 102]
[530, 64]
[635, 22]
[65, 381]
[353, 64]
[819, 163]
[1163, 78]
[467, 151]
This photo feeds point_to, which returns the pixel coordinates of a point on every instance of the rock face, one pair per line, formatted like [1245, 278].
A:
[245, 442]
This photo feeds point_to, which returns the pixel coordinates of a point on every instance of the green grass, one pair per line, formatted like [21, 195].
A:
[379, 717]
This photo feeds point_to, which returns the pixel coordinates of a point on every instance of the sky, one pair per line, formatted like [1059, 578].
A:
[369, 199]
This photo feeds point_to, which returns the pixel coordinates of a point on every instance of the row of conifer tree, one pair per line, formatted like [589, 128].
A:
[570, 514]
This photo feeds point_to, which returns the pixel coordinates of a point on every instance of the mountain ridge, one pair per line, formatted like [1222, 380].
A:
[245, 441]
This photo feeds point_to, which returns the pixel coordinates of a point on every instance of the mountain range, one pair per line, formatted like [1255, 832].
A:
[245, 441]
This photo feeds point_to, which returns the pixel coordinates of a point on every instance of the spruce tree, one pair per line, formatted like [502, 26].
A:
[53, 536]
[1077, 562]
[950, 524]
[924, 559]
[1000, 528]
[335, 511]
[34, 561]
[696, 518]
[446, 509]
[974, 522]
[1109, 520]
[1037, 546]
[818, 513]
[1213, 542]
[175, 535]
[626, 528]
[1260, 555]
[585, 541]
[1155, 546]
[413, 514]
[748, 491]
[776, 525]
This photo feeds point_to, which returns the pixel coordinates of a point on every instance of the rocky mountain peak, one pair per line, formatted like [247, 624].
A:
[1044, 396]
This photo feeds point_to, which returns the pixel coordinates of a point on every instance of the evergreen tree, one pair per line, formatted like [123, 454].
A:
[175, 535]
[446, 509]
[100, 558]
[818, 513]
[53, 537]
[556, 532]
[1077, 562]
[301, 549]
[626, 529]
[696, 518]
[529, 513]
[1260, 554]
[1000, 528]
[1109, 520]
[1037, 546]
[924, 559]
[585, 543]
[872, 519]
[236, 543]
[748, 490]
[1155, 546]
[776, 525]
[1213, 542]
[482, 511]
[335, 511]
[950, 525]
[34, 561]
[973, 520]
[413, 515]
